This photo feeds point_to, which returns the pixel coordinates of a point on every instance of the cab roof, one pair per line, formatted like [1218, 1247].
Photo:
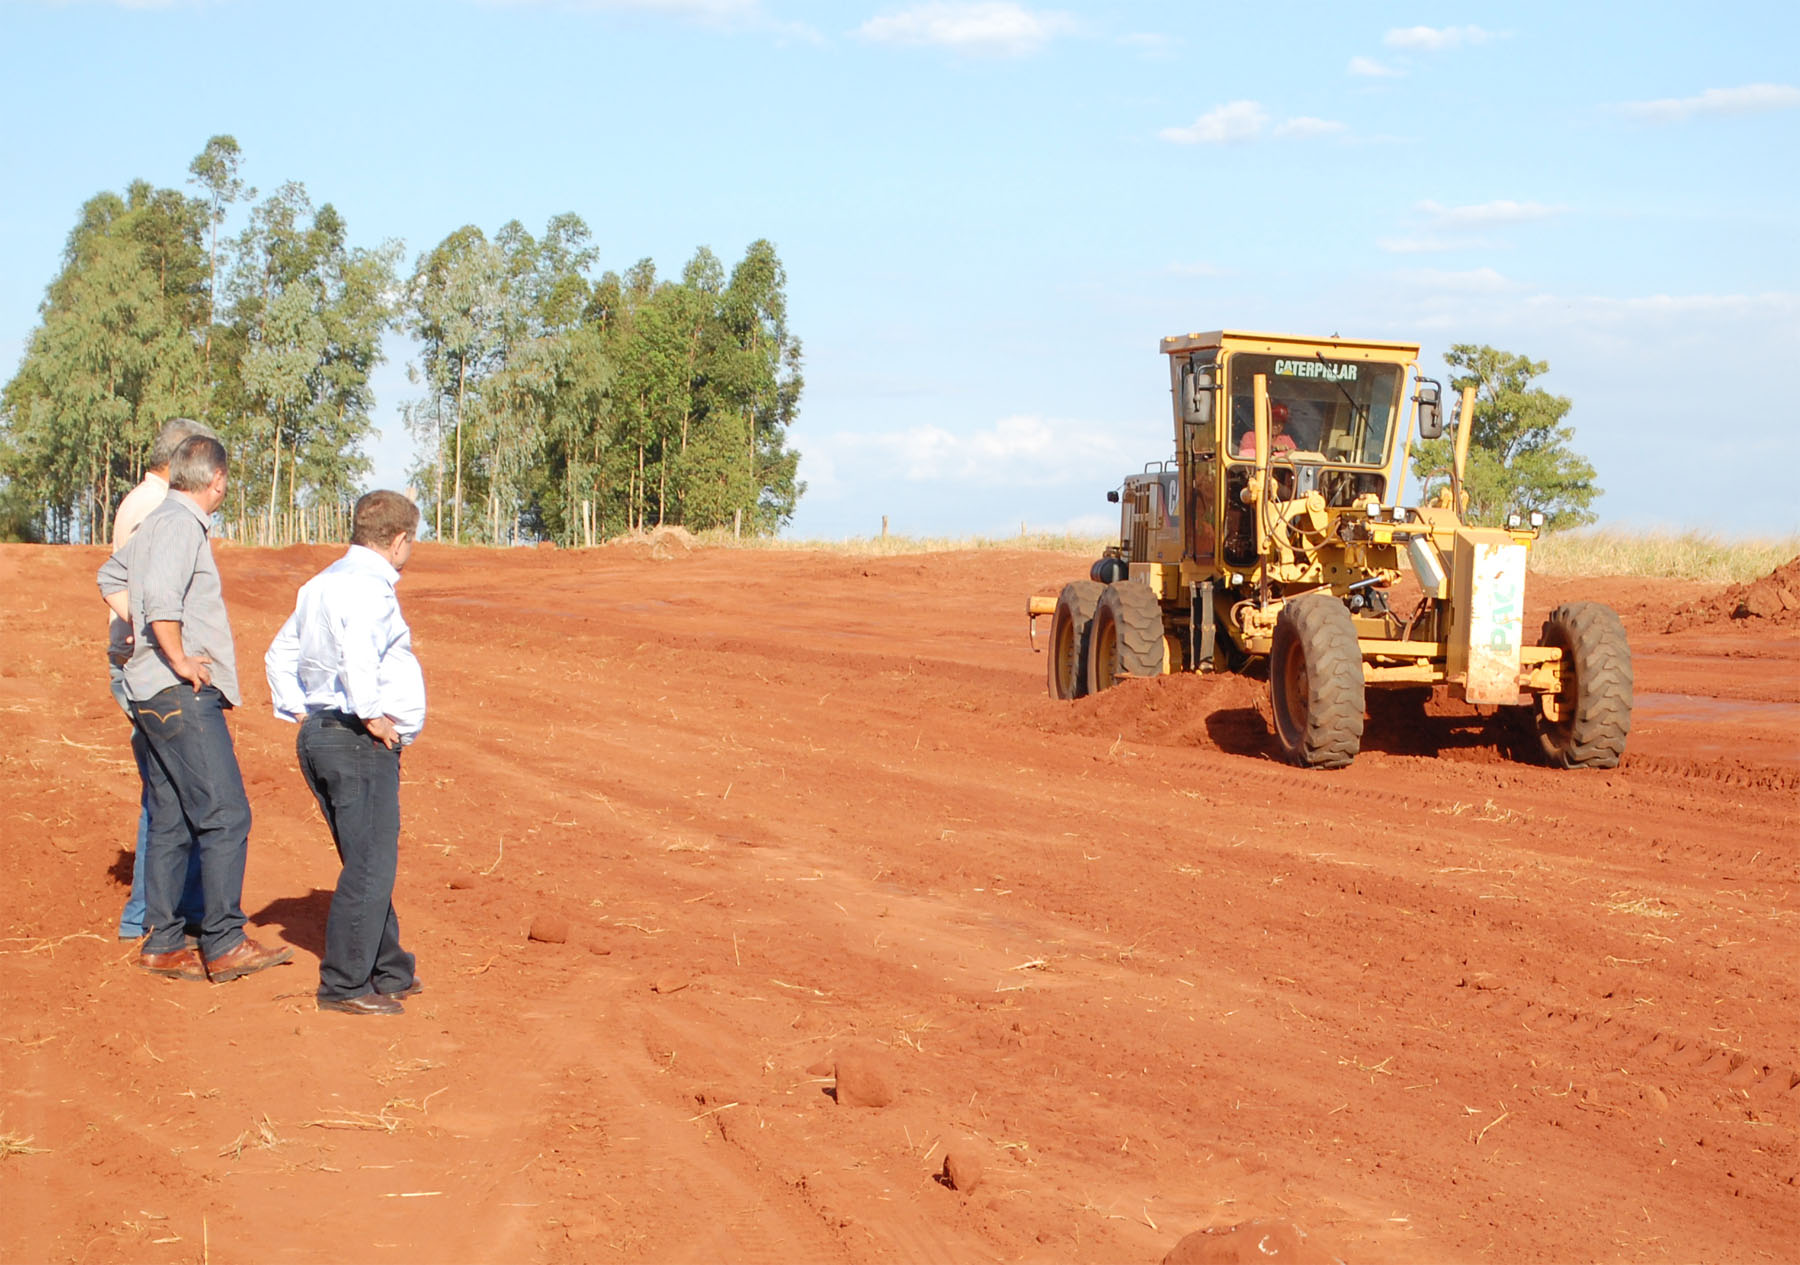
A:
[1249, 340]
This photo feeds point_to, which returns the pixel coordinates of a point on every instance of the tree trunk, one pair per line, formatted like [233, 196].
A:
[461, 379]
[274, 488]
[212, 288]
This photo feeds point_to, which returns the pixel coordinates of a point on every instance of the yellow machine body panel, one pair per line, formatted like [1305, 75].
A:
[1487, 601]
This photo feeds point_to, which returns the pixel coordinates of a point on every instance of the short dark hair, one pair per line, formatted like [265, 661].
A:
[380, 516]
[170, 437]
[196, 462]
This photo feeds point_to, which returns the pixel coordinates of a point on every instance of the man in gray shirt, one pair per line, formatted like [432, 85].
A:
[181, 677]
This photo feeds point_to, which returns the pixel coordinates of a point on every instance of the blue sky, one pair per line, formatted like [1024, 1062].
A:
[991, 212]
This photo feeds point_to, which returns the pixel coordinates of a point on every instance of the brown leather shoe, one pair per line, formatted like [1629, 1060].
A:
[176, 964]
[367, 1004]
[411, 990]
[245, 958]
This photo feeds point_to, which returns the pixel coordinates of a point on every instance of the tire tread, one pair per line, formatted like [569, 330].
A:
[1594, 638]
[1334, 711]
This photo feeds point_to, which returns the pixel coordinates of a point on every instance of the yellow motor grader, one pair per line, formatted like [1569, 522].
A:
[1274, 539]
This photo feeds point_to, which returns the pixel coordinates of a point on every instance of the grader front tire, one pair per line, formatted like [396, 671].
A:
[1316, 683]
[1584, 725]
[1070, 627]
[1128, 635]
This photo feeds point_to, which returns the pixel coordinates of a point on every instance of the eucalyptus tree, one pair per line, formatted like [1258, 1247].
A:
[215, 169]
[453, 307]
[308, 310]
[761, 382]
[114, 356]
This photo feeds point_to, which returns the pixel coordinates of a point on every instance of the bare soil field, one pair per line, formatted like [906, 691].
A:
[816, 839]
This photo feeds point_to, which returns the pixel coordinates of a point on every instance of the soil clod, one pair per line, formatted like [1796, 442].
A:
[863, 1079]
[550, 929]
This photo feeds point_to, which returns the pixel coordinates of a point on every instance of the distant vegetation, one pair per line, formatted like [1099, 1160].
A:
[881, 546]
[1662, 555]
[1652, 555]
[551, 404]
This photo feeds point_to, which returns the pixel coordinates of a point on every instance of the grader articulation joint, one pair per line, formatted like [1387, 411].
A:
[1274, 539]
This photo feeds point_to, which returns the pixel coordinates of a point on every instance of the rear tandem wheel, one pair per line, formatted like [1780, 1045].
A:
[1069, 630]
[1128, 635]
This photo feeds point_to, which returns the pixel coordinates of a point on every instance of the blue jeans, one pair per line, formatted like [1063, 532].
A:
[192, 907]
[357, 783]
[197, 805]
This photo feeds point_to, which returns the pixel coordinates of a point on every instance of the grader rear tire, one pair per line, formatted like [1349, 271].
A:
[1070, 627]
[1316, 683]
[1584, 725]
[1128, 635]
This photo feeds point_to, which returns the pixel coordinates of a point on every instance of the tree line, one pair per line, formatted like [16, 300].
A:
[551, 403]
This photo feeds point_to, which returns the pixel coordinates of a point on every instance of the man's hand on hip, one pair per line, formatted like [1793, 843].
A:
[382, 728]
[196, 670]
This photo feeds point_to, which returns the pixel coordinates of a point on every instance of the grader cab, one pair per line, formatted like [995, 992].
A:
[1278, 539]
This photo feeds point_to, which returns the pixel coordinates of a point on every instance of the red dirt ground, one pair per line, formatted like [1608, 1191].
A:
[797, 807]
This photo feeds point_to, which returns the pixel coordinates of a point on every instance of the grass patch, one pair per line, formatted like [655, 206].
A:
[1661, 555]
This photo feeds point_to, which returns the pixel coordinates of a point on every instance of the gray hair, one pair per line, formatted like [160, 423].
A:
[169, 438]
[196, 463]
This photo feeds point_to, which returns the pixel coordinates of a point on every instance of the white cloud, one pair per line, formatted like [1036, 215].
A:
[1487, 214]
[1369, 68]
[1232, 122]
[1751, 98]
[1304, 127]
[1024, 450]
[996, 28]
[1439, 39]
[719, 14]
[1237, 121]
[1082, 525]
[1772, 309]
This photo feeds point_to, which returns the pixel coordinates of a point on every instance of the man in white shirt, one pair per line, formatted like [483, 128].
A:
[343, 667]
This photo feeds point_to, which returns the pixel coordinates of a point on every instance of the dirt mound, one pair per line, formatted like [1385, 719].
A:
[660, 543]
[1252, 1243]
[1774, 599]
[1227, 712]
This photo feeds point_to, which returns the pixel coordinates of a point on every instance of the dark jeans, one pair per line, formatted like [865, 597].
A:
[357, 783]
[196, 800]
[192, 907]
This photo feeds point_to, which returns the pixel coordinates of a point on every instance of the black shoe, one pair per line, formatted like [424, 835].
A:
[367, 1004]
[411, 990]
